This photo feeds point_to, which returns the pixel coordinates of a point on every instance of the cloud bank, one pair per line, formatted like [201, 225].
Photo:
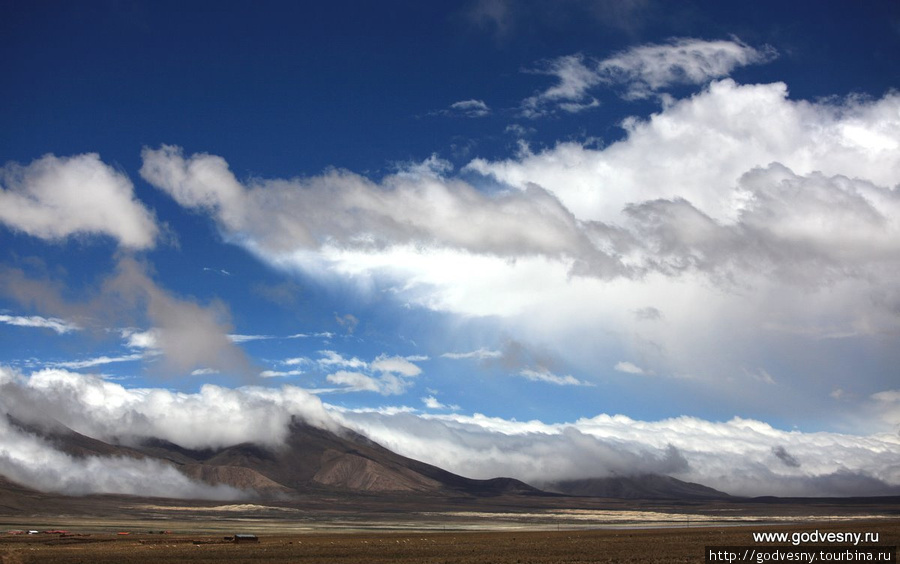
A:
[739, 456]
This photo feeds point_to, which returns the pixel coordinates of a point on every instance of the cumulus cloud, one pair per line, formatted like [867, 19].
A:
[628, 368]
[331, 358]
[431, 402]
[281, 219]
[740, 456]
[642, 71]
[396, 364]
[767, 223]
[386, 375]
[57, 197]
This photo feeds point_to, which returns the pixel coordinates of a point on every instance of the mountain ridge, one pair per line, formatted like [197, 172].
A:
[313, 460]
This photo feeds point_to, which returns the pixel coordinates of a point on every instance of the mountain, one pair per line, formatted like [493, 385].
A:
[311, 460]
[315, 460]
[644, 486]
[318, 461]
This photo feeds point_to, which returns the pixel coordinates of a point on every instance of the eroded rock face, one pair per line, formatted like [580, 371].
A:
[354, 472]
[235, 476]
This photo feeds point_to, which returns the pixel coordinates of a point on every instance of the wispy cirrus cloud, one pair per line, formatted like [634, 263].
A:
[98, 361]
[544, 375]
[480, 354]
[465, 109]
[639, 72]
[60, 326]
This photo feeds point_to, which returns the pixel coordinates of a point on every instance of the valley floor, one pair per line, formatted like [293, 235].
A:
[660, 545]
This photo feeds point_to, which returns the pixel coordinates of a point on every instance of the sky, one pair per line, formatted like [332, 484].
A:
[546, 240]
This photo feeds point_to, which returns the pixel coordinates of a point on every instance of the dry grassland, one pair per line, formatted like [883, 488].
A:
[645, 546]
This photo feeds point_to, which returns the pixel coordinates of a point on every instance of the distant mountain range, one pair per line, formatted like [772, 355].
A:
[643, 486]
[316, 461]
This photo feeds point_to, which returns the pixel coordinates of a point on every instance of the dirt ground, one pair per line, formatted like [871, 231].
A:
[665, 545]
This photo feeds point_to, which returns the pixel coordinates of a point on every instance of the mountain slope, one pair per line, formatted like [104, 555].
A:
[314, 459]
[317, 461]
[644, 486]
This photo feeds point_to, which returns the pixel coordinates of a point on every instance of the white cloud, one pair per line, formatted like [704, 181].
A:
[280, 373]
[60, 326]
[135, 339]
[480, 354]
[58, 197]
[354, 381]
[766, 224]
[650, 68]
[574, 77]
[249, 338]
[280, 219]
[887, 396]
[297, 361]
[29, 460]
[431, 402]
[395, 364]
[628, 368]
[887, 405]
[740, 456]
[642, 70]
[544, 375]
[386, 375]
[331, 358]
[98, 361]
[213, 417]
[469, 108]
[385, 384]
[702, 146]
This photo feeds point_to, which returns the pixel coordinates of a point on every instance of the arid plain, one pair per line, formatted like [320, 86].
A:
[416, 529]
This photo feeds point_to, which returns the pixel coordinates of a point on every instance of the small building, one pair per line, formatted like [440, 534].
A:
[243, 537]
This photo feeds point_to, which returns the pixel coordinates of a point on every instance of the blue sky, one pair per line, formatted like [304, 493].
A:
[469, 215]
